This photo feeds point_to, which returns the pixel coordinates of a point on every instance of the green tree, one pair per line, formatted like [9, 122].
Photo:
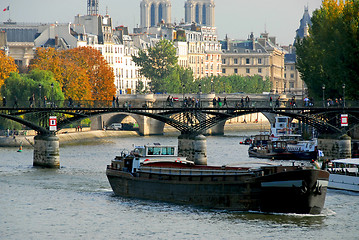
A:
[157, 62]
[329, 55]
[22, 86]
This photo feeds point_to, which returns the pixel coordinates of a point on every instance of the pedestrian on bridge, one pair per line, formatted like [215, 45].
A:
[225, 102]
[15, 102]
[247, 101]
[32, 100]
[113, 101]
[277, 102]
[214, 102]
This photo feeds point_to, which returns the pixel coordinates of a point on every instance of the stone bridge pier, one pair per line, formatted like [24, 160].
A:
[46, 151]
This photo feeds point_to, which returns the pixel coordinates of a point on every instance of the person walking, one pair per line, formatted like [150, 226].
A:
[15, 102]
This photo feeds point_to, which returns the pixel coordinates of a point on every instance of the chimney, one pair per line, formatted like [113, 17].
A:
[273, 40]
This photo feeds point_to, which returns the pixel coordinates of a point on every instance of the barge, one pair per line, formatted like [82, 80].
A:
[278, 189]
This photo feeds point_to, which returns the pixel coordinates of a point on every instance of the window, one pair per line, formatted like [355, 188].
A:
[247, 61]
[259, 60]
[248, 70]
[236, 70]
[259, 70]
[224, 61]
[292, 75]
[223, 70]
[285, 75]
[235, 61]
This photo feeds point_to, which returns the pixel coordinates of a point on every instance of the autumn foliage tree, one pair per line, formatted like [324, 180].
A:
[7, 66]
[330, 54]
[82, 72]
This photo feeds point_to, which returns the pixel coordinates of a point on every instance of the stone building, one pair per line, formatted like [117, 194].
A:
[154, 12]
[254, 56]
[200, 12]
[20, 41]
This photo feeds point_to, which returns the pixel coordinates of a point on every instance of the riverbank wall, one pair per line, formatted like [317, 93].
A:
[73, 137]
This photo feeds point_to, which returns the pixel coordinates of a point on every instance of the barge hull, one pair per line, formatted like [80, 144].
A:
[248, 192]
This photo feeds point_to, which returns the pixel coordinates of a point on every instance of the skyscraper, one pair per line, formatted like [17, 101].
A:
[200, 12]
[92, 7]
[154, 12]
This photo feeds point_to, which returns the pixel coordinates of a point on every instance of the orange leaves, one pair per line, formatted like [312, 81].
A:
[82, 72]
[7, 65]
[101, 76]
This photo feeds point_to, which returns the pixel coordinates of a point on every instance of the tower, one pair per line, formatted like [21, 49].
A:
[154, 12]
[92, 7]
[200, 12]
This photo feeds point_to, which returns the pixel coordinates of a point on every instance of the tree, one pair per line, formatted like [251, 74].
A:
[7, 66]
[22, 86]
[82, 73]
[100, 74]
[329, 55]
[157, 62]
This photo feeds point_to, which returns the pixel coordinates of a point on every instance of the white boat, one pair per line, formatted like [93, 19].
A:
[156, 152]
[344, 174]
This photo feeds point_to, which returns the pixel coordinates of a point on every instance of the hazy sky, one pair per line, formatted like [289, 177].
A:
[237, 18]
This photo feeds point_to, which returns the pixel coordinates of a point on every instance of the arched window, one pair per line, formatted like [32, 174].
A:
[197, 13]
[160, 12]
[153, 15]
[204, 15]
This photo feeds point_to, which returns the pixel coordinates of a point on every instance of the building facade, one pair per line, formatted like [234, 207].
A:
[200, 12]
[254, 56]
[154, 12]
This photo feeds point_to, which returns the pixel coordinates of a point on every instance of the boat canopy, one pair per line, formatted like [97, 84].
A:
[353, 161]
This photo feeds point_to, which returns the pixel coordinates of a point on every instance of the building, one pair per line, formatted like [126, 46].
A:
[200, 12]
[19, 42]
[254, 56]
[154, 12]
[292, 80]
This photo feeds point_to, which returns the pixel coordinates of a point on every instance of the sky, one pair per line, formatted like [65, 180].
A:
[237, 18]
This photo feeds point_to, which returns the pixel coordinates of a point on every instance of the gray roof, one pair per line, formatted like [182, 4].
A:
[290, 58]
[20, 34]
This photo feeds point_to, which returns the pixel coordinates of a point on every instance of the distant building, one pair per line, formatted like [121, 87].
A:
[20, 41]
[255, 56]
[292, 80]
[154, 12]
[200, 12]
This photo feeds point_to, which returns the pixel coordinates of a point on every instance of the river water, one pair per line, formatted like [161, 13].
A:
[76, 201]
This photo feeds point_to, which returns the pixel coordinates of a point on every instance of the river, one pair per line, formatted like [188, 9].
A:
[76, 201]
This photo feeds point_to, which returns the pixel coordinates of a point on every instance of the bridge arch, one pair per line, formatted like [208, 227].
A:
[147, 125]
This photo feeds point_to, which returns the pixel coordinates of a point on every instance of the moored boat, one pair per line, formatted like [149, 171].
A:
[284, 189]
[283, 143]
[344, 174]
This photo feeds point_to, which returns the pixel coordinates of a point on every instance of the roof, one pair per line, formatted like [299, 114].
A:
[290, 58]
[354, 161]
[20, 34]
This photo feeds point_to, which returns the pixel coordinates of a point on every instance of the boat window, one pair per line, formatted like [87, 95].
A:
[168, 151]
[154, 151]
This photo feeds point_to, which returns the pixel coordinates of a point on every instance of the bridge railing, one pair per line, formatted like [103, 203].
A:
[178, 104]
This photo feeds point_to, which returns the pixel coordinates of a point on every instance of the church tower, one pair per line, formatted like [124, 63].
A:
[154, 12]
[92, 7]
[200, 12]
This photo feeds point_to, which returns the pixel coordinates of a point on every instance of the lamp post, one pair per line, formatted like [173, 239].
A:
[200, 91]
[323, 88]
[52, 94]
[224, 87]
[343, 94]
[40, 94]
[212, 89]
[183, 86]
